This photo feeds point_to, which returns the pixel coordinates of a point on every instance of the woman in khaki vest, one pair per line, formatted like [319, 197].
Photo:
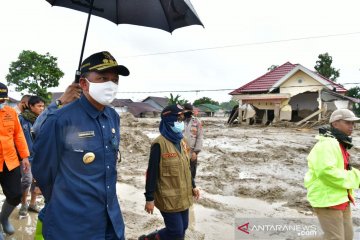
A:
[169, 185]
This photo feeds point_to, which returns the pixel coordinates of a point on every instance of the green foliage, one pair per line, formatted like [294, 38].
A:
[176, 100]
[355, 93]
[272, 67]
[228, 105]
[35, 73]
[205, 100]
[323, 66]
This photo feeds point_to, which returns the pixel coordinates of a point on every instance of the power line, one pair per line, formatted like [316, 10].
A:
[180, 91]
[245, 44]
[226, 89]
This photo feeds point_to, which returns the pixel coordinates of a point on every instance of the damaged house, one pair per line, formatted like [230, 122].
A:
[289, 92]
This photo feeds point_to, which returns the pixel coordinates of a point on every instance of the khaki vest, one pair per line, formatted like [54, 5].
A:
[174, 188]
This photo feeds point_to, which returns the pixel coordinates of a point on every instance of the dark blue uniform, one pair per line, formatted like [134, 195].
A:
[81, 197]
[26, 127]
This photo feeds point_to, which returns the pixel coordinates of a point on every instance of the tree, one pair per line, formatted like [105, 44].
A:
[205, 100]
[272, 67]
[229, 105]
[176, 100]
[323, 66]
[355, 93]
[35, 73]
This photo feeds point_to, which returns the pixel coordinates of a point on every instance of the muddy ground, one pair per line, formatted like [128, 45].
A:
[244, 171]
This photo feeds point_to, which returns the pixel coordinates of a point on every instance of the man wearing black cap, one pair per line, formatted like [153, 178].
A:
[169, 185]
[12, 145]
[75, 156]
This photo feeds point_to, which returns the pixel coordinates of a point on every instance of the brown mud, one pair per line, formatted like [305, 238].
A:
[244, 171]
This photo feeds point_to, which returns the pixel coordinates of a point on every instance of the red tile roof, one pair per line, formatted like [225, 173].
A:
[339, 88]
[264, 83]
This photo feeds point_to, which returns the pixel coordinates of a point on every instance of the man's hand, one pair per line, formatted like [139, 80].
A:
[25, 164]
[71, 93]
[196, 193]
[193, 156]
[149, 207]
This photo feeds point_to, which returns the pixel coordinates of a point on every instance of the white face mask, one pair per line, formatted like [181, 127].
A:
[104, 93]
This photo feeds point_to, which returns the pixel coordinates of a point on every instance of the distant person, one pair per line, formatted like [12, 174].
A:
[193, 133]
[330, 179]
[169, 185]
[13, 143]
[23, 104]
[27, 118]
[75, 155]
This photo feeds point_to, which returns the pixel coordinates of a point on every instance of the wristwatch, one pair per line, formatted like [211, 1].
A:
[58, 102]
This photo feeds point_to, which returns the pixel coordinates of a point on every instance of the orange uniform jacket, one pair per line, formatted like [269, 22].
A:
[11, 139]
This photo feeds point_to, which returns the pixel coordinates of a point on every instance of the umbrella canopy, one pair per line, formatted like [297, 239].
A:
[167, 15]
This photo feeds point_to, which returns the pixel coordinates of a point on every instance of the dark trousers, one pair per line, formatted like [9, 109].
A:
[193, 167]
[175, 225]
[11, 185]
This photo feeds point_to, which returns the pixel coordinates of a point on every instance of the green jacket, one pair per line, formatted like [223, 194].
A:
[326, 180]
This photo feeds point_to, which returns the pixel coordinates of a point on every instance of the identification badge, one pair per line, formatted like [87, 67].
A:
[86, 134]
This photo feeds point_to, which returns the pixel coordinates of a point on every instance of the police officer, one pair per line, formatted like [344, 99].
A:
[75, 157]
[193, 133]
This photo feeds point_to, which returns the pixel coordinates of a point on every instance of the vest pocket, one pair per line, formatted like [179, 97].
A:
[172, 200]
[170, 170]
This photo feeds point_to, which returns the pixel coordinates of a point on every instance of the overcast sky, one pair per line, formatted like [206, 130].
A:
[241, 39]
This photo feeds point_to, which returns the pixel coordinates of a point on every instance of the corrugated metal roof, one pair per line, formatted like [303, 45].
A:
[264, 83]
[120, 102]
[162, 101]
[207, 107]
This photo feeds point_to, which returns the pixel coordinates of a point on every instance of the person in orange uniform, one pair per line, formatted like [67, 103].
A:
[12, 147]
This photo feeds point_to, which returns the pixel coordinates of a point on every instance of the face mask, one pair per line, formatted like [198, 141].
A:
[178, 127]
[188, 114]
[103, 93]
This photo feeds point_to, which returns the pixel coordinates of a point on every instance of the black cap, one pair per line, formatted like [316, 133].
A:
[188, 106]
[174, 109]
[3, 92]
[102, 61]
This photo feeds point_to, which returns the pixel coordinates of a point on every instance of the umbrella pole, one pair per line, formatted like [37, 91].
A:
[77, 74]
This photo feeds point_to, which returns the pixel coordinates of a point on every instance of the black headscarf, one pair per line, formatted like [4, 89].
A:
[345, 140]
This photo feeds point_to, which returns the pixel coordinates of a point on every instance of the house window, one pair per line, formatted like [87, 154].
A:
[300, 80]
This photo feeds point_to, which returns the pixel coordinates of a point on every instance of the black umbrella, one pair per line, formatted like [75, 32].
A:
[167, 15]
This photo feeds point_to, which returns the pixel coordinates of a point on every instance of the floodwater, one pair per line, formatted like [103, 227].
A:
[24, 228]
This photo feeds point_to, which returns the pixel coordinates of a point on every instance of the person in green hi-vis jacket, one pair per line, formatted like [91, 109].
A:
[330, 179]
